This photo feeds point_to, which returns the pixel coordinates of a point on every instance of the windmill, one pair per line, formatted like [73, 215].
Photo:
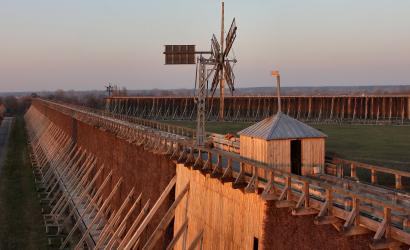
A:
[224, 65]
[109, 89]
[220, 68]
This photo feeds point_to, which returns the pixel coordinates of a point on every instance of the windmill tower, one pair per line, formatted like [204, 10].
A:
[209, 63]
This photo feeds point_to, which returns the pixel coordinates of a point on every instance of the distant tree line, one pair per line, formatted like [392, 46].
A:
[15, 105]
[94, 100]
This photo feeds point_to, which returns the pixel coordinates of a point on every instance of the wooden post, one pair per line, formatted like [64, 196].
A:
[408, 107]
[353, 173]
[374, 176]
[289, 190]
[387, 217]
[306, 193]
[331, 108]
[398, 181]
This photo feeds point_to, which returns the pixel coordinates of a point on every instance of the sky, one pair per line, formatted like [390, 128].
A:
[84, 44]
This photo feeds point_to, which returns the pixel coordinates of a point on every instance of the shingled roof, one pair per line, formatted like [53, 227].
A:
[281, 126]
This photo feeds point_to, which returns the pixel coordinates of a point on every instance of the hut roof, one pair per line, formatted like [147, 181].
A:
[281, 126]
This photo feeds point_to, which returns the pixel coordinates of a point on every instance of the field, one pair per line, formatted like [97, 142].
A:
[21, 223]
[387, 146]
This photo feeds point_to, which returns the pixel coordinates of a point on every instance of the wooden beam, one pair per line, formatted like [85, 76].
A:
[151, 213]
[160, 229]
[227, 176]
[252, 186]
[134, 225]
[178, 235]
[217, 172]
[111, 226]
[117, 232]
[99, 213]
[197, 241]
[240, 180]
[269, 193]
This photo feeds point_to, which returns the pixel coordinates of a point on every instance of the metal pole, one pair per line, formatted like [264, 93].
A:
[221, 76]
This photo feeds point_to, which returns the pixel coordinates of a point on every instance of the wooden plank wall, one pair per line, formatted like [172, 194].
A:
[271, 152]
[278, 152]
[313, 152]
[230, 218]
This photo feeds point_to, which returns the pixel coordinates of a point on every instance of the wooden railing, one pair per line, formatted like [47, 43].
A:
[354, 208]
[352, 167]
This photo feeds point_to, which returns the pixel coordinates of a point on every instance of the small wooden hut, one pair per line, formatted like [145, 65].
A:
[284, 143]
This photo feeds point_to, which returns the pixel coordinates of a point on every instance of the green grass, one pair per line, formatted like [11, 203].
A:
[387, 146]
[21, 223]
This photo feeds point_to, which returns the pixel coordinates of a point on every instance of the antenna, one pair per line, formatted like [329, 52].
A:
[275, 73]
[221, 67]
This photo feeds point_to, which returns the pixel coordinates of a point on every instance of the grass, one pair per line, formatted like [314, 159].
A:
[387, 146]
[21, 223]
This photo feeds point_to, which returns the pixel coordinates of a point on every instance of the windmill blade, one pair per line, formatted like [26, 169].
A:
[230, 38]
[215, 81]
[216, 48]
[229, 77]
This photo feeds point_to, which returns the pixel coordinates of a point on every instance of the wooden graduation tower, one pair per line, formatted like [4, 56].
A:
[284, 142]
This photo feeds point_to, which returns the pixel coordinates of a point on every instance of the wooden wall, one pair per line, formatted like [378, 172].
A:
[230, 218]
[278, 152]
[313, 154]
[274, 151]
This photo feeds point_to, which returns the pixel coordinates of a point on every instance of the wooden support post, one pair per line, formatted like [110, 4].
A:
[352, 226]
[217, 172]
[99, 214]
[131, 230]
[117, 232]
[325, 216]
[408, 107]
[286, 192]
[227, 176]
[304, 200]
[374, 176]
[252, 186]
[378, 242]
[398, 181]
[269, 193]
[240, 180]
[160, 229]
[310, 108]
[128, 245]
[178, 235]
[208, 164]
[353, 173]
[199, 163]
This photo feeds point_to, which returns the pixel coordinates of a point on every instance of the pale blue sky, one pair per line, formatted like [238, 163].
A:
[83, 44]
